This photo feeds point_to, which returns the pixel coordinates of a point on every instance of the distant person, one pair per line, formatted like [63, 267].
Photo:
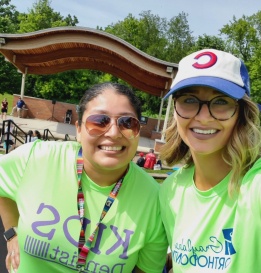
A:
[159, 163]
[29, 137]
[150, 160]
[4, 109]
[37, 135]
[32, 136]
[18, 107]
[141, 160]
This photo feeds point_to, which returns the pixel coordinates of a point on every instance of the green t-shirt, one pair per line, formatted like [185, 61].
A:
[41, 178]
[207, 230]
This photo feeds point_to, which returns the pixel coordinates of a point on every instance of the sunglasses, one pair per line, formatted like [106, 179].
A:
[97, 125]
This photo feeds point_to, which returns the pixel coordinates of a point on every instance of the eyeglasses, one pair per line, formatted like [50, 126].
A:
[99, 124]
[220, 108]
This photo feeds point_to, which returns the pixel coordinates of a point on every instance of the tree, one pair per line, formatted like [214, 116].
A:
[146, 33]
[59, 86]
[207, 41]
[241, 37]
[157, 37]
[42, 16]
[244, 41]
[9, 78]
[255, 75]
[179, 37]
[67, 86]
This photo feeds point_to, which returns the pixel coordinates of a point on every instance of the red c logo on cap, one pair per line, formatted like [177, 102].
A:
[211, 62]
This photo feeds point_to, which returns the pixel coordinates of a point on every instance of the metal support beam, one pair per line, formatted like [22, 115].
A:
[166, 117]
[23, 83]
[160, 112]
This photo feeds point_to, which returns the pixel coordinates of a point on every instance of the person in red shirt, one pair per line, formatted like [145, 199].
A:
[150, 160]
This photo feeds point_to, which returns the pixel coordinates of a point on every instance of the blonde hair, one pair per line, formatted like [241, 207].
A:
[241, 152]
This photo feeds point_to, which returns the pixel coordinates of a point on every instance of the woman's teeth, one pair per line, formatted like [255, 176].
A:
[111, 148]
[205, 132]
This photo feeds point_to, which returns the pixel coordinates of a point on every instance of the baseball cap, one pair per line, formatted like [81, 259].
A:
[141, 154]
[213, 68]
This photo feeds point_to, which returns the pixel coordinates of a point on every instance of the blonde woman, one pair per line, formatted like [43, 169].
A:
[211, 208]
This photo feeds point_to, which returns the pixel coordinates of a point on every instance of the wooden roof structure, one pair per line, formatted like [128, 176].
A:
[60, 49]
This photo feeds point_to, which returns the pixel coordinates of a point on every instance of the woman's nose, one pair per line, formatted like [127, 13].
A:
[114, 131]
[204, 113]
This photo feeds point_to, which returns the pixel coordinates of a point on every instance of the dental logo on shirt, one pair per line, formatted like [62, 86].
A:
[40, 243]
[229, 249]
[214, 255]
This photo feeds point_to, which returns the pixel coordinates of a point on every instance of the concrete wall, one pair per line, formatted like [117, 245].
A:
[45, 109]
[149, 130]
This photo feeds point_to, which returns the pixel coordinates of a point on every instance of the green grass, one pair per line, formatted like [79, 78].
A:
[158, 171]
[10, 99]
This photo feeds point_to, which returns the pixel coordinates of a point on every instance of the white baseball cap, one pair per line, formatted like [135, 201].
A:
[213, 68]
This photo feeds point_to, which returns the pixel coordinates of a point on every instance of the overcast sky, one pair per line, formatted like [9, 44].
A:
[204, 16]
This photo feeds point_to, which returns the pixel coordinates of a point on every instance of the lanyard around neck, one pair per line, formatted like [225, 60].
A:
[84, 246]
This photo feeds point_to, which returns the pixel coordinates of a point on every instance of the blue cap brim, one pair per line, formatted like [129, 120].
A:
[226, 87]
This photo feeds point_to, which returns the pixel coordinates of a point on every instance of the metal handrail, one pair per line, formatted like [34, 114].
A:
[17, 133]
[46, 134]
[67, 137]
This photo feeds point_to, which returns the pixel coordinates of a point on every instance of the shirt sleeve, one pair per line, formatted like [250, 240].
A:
[155, 250]
[12, 166]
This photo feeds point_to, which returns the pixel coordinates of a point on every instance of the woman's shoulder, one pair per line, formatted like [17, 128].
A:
[179, 177]
[253, 172]
[57, 145]
[139, 175]
[51, 149]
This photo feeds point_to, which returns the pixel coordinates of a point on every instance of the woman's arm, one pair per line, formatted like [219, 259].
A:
[10, 215]
[137, 270]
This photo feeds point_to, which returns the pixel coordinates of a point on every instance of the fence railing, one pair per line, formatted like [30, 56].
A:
[11, 132]
[47, 135]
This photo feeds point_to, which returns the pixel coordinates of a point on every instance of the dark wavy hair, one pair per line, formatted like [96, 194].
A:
[98, 89]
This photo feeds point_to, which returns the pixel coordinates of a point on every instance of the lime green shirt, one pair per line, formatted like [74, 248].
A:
[41, 178]
[207, 230]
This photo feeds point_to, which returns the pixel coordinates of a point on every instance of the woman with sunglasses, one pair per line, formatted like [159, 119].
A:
[85, 206]
[211, 207]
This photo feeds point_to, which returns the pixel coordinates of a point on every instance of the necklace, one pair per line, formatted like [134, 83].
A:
[85, 245]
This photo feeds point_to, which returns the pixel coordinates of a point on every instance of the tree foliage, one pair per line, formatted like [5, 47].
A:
[243, 40]
[179, 37]
[9, 78]
[241, 37]
[168, 40]
[42, 16]
[208, 41]
[59, 86]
